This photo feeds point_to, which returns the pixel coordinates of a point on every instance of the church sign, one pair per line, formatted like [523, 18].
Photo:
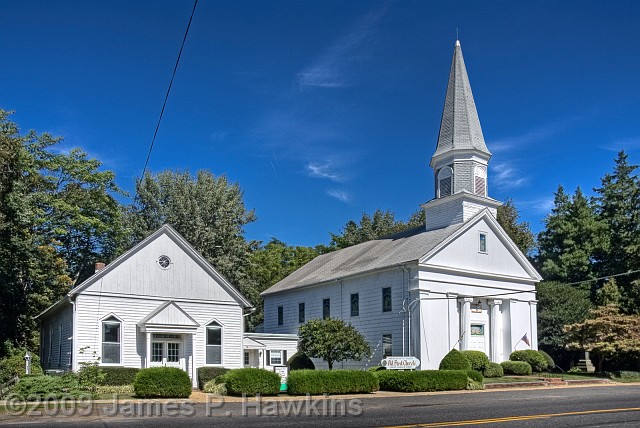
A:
[400, 363]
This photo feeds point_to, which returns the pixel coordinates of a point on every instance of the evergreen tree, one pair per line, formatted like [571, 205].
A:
[572, 237]
[618, 206]
[520, 233]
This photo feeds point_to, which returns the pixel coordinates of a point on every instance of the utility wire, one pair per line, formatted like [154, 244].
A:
[166, 97]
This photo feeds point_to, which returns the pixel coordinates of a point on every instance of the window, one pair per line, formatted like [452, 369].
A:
[482, 242]
[326, 308]
[355, 305]
[280, 315]
[173, 352]
[60, 346]
[111, 340]
[386, 299]
[445, 182]
[480, 180]
[214, 343]
[387, 345]
[246, 358]
[301, 312]
[164, 262]
[477, 329]
[157, 353]
[50, 345]
[277, 357]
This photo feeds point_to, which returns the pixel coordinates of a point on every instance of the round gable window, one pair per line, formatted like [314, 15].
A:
[164, 262]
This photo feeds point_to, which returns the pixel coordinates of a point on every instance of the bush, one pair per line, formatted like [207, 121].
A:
[475, 375]
[550, 363]
[205, 374]
[454, 360]
[212, 387]
[422, 380]
[40, 387]
[300, 361]
[376, 368]
[317, 382]
[626, 374]
[535, 359]
[493, 370]
[117, 376]
[251, 382]
[516, 367]
[162, 382]
[478, 359]
[13, 364]
[115, 389]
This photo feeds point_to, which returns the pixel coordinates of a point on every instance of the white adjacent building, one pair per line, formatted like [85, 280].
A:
[159, 304]
[460, 282]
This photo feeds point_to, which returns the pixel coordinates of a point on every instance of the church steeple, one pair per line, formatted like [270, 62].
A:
[461, 157]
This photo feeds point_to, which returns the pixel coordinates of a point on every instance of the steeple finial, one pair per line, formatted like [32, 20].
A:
[457, 42]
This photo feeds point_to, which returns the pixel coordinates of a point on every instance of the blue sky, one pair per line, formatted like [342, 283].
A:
[323, 110]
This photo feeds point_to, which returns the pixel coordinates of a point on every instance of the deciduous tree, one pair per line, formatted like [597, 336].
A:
[332, 340]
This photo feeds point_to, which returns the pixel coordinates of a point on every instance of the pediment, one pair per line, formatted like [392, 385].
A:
[169, 314]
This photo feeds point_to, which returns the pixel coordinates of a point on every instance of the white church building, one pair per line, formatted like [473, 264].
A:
[460, 282]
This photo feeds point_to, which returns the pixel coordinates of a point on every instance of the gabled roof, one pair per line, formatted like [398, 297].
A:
[411, 246]
[168, 313]
[460, 126]
[182, 243]
[405, 247]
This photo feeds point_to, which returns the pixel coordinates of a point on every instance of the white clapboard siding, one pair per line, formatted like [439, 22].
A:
[55, 342]
[140, 274]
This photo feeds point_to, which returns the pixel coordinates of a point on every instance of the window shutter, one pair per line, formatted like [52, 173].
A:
[268, 357]
[284, 357]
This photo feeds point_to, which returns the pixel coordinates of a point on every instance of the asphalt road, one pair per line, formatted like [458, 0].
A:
[593, 406]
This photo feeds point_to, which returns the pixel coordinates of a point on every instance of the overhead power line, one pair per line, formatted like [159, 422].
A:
[166, 97]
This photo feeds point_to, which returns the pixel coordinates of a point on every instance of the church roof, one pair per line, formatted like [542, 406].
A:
[404, 247]
[460, 126]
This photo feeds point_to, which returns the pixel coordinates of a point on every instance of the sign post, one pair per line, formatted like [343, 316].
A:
[283, 371]
[400, 363]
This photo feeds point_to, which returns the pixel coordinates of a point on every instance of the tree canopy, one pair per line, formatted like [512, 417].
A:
[520, 233]
[332, 340]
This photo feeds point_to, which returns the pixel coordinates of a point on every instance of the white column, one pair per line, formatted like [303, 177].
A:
[194, 372]
[496, 331]
[147, 360]
[533, 307]
[465, 322]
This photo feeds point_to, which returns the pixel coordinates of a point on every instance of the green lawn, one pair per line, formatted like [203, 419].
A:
[537, 377]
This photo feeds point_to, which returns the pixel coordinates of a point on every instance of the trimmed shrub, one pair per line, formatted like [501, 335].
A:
[376, 368]
[116, 376]
[422, 380]
[251, 382]
[475, 375]
[162, 382]
[493, 370]
[626, 374]
[550, 363]
[212, 387]
[478, 359]
[300, 361]
[40, 387]
[13, 364]
[516, 367]
[317, 382]
[454, 360]
[535, 359]
[205, 374]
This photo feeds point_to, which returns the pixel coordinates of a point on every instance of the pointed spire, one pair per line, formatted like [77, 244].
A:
[460, 126]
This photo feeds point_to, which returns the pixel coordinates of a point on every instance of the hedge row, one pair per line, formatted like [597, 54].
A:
[455, 360]
[117, 376]
[536, 360]
[41, 387]
[205, 374]
[162, 382]
[516, 367]
[478, 359]
[493, 370]
[250, 382]
[422, 380]
[317, 382]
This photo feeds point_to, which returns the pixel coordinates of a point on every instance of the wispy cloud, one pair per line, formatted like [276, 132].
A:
[328, 71]
[542, 205]
[626, 144]
[340, 195]
[535, 135]
[507, 177]
[326, 170]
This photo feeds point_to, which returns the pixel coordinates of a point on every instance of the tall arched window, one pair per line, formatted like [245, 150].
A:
[480, 180]
[214, 344]
[111, 340]
[445, 181]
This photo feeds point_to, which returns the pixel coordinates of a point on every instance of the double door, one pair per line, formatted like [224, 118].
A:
[166, 353]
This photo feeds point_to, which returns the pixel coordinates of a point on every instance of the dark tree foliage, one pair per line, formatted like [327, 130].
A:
[520, 233]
